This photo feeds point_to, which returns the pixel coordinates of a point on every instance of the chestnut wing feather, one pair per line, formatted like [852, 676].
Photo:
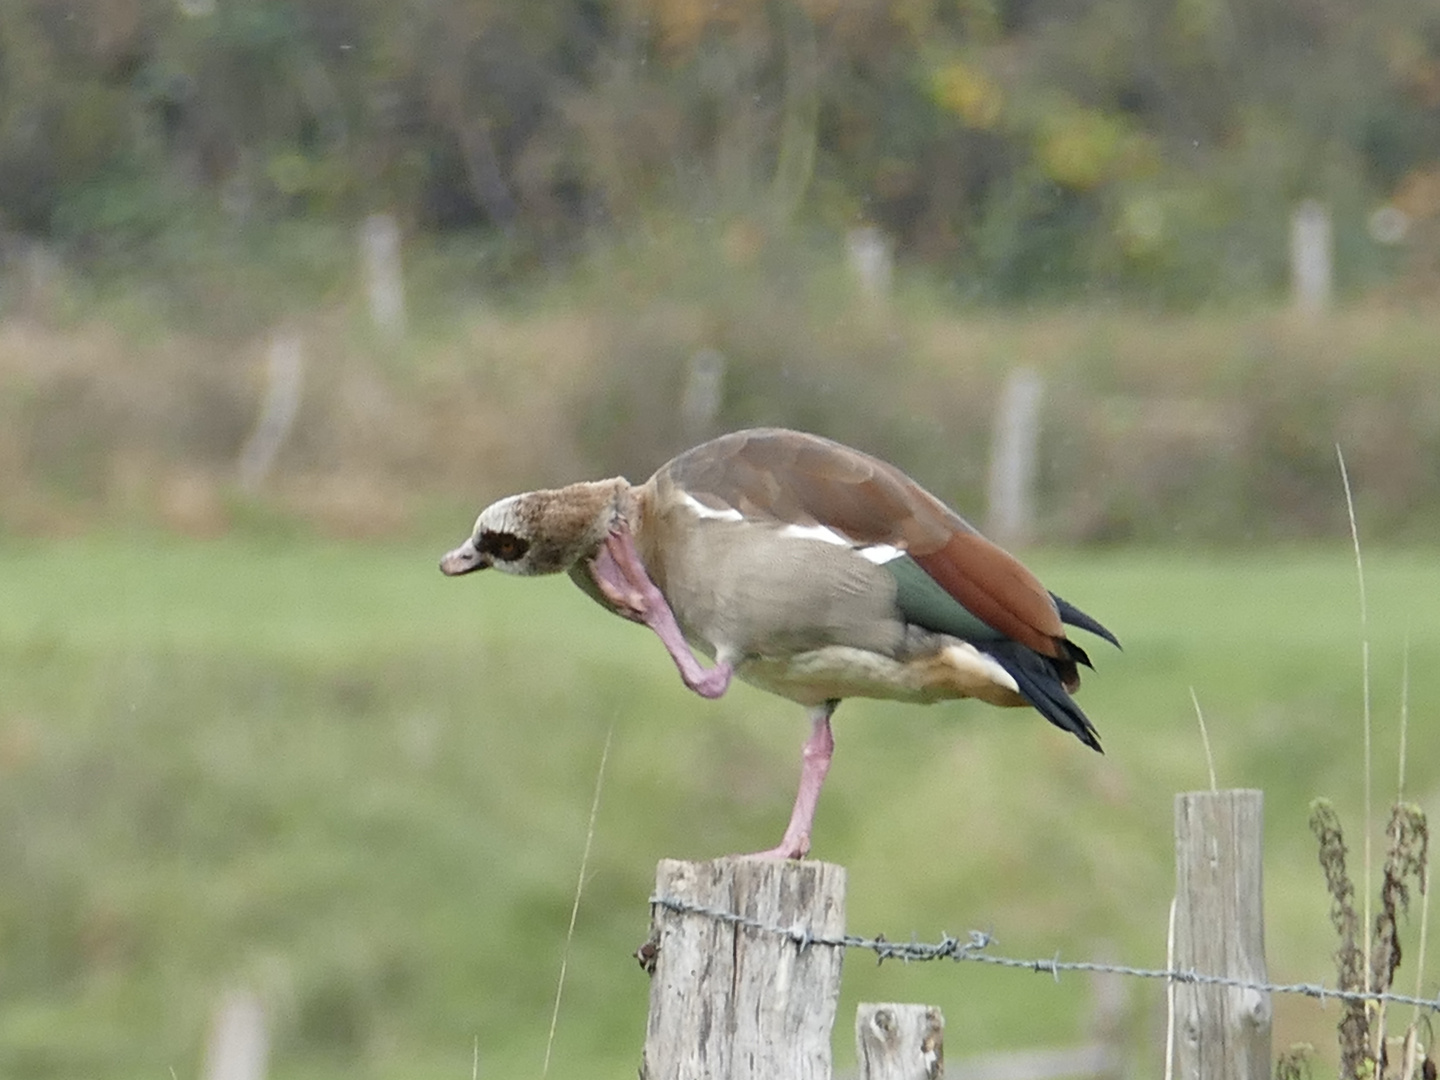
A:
[997, 589]
[800, 479]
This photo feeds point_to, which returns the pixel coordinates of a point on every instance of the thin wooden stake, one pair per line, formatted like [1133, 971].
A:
[1312, 257]
[285, 371]
[734, 1002]
[1014, 452]
[1223, 1032]
[239, 1039]
[384, 277]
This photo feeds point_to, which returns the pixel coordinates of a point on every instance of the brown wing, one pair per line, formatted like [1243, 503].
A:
[799, 479]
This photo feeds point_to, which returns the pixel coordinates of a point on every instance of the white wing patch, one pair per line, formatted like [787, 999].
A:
[815, 532]
[879, 554]
[700, 510]
[965, 657]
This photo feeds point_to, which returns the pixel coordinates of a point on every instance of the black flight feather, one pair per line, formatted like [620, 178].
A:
[1072, 615]
[1039, 681]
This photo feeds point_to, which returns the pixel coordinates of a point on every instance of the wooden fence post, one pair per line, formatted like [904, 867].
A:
[731, 1002]
[239, 1045]
[384, 277]
[1014, 451]
[285, 374]
[899, 1042]
[1223, 1033]
[1312, 257]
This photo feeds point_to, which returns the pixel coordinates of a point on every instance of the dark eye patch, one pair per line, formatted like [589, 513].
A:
[505, 546]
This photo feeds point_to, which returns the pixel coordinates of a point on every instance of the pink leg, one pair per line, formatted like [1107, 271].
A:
[814, 764]
[622, 578]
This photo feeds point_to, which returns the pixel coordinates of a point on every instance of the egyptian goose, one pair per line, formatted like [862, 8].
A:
[808, 569]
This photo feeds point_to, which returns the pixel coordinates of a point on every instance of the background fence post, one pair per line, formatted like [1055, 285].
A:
[899, 1042]
[729, 1002]
[384, 276]
[1014, 451]
[239, 1045]
[284, 375]
[1312, 257]
[1222, 1032]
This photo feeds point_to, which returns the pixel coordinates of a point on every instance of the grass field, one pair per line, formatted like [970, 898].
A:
[322, 771]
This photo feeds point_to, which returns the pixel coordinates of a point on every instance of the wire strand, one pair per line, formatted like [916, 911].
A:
[973, 947]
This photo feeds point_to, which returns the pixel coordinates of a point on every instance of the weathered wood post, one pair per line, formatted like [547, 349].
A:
[1014, 452]
[239, 1039]
[872, 259]
[284, 376]
[899, 1042]
[1223, 1032]
[384, 277]
[730, 1001]
[1312, 257]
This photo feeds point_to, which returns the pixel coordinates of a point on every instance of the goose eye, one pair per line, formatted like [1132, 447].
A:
[507, 547]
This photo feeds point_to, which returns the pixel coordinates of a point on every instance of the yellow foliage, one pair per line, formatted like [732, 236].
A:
[968, 93]
[1082, 148]
[295, 175]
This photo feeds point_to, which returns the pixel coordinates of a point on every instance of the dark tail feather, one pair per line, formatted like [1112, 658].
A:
[1076, 654]
[1040, 684]
[1072, 615]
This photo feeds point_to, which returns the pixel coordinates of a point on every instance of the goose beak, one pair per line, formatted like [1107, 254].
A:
[463, 560]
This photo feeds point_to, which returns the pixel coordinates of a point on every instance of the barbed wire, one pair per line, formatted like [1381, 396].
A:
[973, 948]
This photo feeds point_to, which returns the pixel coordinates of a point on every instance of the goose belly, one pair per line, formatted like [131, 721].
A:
[955, 670]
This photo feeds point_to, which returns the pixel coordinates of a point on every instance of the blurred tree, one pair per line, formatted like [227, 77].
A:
[1020, 145]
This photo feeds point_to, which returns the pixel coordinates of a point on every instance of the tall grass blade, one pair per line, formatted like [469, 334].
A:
[575, 907]
[1205, 740]
[1404, 716]
[1365, 693]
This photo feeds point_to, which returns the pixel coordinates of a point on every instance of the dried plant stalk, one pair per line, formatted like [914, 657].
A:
[1405, 860]
[1362, 1023]
[1355, 1058]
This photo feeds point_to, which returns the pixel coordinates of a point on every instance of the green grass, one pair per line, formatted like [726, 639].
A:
[323, 771]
